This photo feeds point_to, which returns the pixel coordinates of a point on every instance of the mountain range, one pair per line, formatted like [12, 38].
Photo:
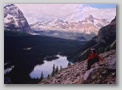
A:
[15, 20]
[87, 26]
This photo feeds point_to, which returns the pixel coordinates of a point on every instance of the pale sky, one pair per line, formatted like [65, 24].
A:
[66, 12]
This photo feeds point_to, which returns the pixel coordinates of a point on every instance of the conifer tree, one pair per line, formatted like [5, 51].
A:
[56, 70]
[69, 64]
[53, 71]
[48, 76]
[61, 68]
[42, 75]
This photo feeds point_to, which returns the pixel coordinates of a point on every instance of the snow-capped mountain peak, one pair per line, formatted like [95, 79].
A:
[89, 25]
[14, 19]
[90, 18]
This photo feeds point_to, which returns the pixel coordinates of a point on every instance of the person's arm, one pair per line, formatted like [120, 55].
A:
[100, 58]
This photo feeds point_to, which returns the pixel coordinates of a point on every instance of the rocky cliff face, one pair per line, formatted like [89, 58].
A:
[14, 19]
[108, 32]
[100, 73]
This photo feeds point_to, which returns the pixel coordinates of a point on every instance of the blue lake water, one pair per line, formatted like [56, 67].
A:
[46, 68]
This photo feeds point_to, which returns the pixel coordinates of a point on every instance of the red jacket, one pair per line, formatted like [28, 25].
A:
[92, 56]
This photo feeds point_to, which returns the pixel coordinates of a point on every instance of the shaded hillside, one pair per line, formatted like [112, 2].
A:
[24, 51]
[100, 73]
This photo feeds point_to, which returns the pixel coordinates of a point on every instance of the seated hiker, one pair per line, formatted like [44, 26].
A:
[93, 58]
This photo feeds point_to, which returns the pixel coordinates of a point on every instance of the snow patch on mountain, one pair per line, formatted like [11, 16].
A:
[87, 26]
[14, 19]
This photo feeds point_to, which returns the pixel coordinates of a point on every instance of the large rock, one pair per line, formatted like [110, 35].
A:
[111, 61]
[87, 74]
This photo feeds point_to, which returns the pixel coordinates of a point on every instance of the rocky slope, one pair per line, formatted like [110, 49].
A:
[87, 26]
[100, 73]
[14, 19]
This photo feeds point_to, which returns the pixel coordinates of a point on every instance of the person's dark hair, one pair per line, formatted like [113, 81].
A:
[94, 51]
